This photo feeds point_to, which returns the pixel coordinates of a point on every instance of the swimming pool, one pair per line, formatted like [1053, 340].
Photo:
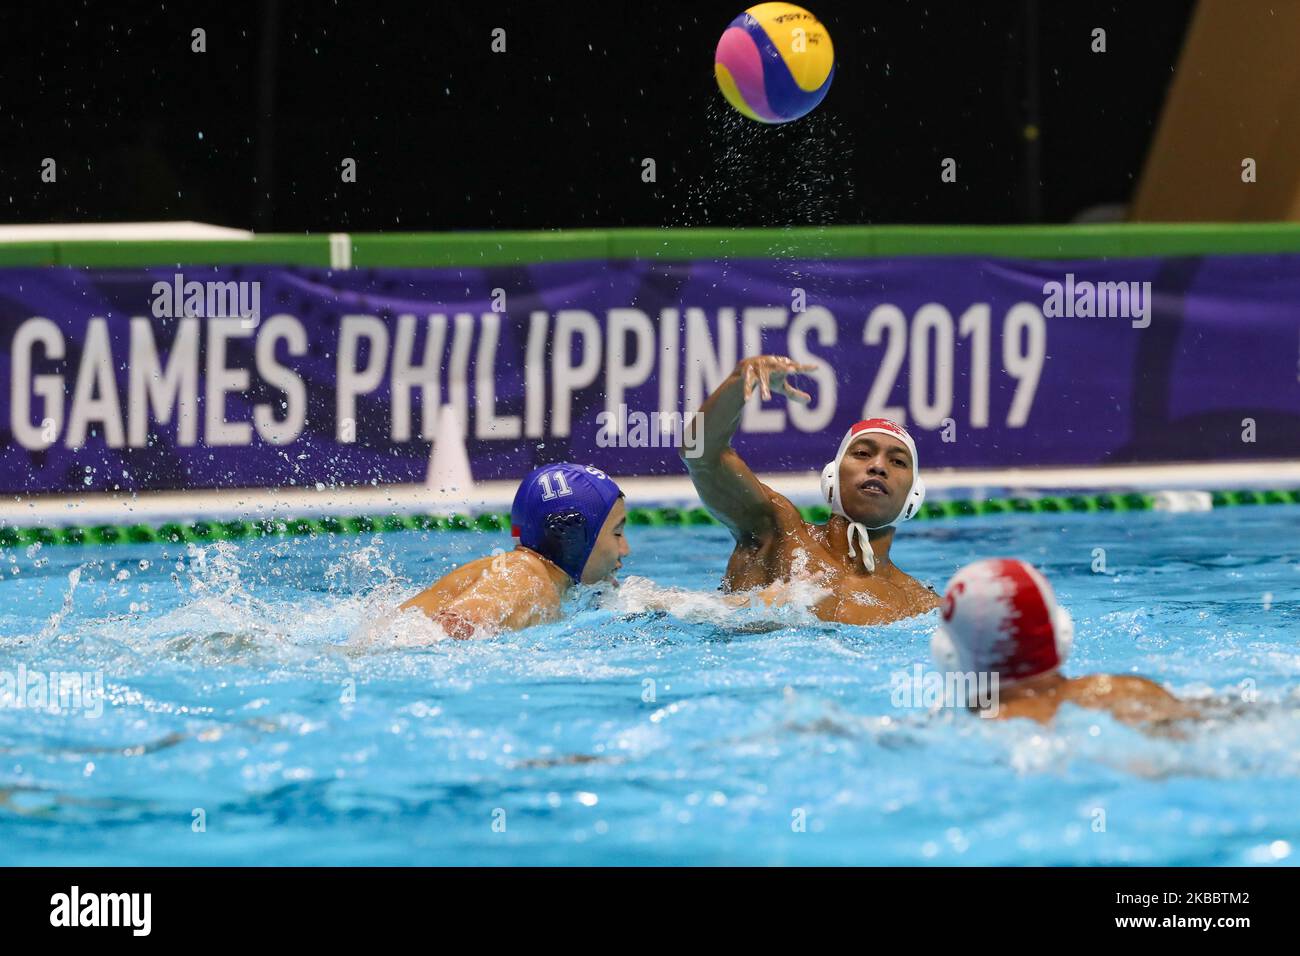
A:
[238, 727]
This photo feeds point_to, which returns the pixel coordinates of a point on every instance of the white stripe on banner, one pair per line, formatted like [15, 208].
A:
[676, 491]
[340, 250]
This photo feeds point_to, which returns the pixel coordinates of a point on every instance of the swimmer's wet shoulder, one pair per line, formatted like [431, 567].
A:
[872, 485]
[1130, 699]
[499, 592]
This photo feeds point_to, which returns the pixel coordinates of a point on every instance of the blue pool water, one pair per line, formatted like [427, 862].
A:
[236, 698]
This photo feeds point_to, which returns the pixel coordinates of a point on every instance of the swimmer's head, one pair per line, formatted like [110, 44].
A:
[875, 478]
[572, 515]
[1000, 616]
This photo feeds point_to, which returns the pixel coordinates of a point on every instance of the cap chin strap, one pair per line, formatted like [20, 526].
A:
[868, 556]
[864, 536]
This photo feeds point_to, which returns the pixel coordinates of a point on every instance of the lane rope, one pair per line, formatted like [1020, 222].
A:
[238, 530]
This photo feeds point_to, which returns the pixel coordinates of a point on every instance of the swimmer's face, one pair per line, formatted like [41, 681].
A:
[611, 546]
[875, 478]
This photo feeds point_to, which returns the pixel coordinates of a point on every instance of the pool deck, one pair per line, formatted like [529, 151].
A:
[673, 491]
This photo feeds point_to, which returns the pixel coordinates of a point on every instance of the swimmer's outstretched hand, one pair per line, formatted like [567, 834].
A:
[774, 595]
[770, 372]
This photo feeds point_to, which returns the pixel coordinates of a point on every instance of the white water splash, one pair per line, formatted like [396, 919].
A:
[786, 602]
[56, 619]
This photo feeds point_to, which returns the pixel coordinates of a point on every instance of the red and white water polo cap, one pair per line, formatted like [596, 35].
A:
[1000, 616]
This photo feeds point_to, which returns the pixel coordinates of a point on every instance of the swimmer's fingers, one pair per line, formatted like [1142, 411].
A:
[456, 625]
[783, 363]
[798, 394]
[757, 372]
[790, 366]
[770, 371]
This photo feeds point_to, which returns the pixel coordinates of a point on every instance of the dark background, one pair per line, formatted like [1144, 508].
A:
[551, 133]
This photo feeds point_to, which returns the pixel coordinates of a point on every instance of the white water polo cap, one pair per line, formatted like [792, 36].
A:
[1000, 616]
[831, 483]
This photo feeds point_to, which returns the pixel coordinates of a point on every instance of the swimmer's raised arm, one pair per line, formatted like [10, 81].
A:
[726, 485]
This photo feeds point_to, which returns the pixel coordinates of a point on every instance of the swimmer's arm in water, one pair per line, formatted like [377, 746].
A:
[774, 595]
[726, 485]
[1133, 699]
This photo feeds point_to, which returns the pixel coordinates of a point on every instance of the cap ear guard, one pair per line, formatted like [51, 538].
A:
[947, 660]
[564, 541]
[828, 484]
[915, 498]
[944, 651]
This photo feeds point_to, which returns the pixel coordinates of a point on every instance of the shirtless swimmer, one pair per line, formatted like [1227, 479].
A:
[1000, 617]
[569, 520]
[872, 485]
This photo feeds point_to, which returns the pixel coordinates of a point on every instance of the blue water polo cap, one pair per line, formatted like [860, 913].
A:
[559, 510]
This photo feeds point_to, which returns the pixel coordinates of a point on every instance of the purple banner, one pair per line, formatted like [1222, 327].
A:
[204, 377]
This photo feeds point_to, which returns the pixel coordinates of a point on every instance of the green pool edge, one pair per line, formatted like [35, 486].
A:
[237, 530]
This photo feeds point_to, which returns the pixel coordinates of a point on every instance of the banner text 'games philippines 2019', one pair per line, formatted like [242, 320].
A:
[338, 377]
